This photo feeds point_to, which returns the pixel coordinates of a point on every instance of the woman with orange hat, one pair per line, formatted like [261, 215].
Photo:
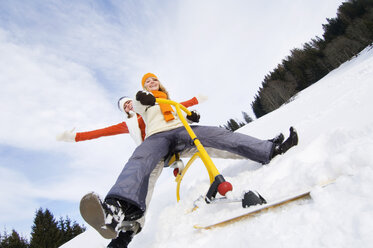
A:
[135, 126]
[126, 201]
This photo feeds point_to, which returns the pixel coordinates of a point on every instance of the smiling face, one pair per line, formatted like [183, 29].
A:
[127, 106]
[151, 84]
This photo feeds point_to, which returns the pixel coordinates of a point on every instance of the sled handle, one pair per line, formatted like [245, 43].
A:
[217, 181]
[211, 168]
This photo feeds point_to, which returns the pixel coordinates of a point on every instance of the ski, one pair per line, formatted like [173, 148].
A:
[254, 211]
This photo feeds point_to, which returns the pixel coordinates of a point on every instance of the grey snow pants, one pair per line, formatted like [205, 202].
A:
[133, 182]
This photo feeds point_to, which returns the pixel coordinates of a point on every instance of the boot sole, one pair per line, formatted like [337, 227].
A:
[93, 213]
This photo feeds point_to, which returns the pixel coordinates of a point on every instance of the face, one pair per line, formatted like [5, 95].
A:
[151, 84]
[127, 106]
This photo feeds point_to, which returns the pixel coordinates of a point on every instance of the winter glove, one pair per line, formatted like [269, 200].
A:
[67, 136]
[194, 117]
[145, 98]
[201, 98]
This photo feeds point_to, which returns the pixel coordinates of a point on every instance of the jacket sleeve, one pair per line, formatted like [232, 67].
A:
[190, 102]
[138, 107]
[107, 131]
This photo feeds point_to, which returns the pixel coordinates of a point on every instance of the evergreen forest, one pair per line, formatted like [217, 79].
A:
[47, 232]
[344, 37]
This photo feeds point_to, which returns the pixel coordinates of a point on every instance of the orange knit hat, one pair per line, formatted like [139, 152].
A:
[146, 76]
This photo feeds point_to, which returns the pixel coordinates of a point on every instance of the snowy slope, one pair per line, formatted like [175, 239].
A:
[335, 124]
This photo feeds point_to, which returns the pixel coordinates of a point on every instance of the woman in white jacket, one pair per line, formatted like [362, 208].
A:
[135, 126]
[127, 198]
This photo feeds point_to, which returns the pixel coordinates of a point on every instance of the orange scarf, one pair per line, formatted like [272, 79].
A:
[166, 109]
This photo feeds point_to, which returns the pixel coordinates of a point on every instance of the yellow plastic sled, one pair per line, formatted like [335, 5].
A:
[217, 181]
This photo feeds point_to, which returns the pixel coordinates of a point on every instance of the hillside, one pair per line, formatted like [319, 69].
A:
[335, 124]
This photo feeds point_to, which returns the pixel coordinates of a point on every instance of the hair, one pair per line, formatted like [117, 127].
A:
[163, 89]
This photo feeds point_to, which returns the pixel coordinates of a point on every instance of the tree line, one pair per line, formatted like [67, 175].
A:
[344, 37]
[233, 124]
[46, 232]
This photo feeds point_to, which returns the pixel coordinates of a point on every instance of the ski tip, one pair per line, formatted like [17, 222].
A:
[202, 227]
[198, 227]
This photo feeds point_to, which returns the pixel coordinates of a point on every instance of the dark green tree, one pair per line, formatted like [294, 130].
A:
[334, 28]
[257, 106]
[246, 117]
[233, 125]
[69, 229]
[45, 232]
[49, 233]
[14, 240]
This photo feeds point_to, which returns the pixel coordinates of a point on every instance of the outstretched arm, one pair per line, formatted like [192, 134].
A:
[194, 101]
[190, 102]
[71, 136]
[108, 131]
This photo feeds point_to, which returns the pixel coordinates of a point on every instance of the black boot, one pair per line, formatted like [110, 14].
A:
[278, 139]
[290, 142]
[130, 211]
[114, 213]
[122, 241]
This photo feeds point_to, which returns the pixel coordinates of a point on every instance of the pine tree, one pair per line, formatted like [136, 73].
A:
[68, 229]
[246, 117]
[13, 241]
[233, 125]
[45, 232]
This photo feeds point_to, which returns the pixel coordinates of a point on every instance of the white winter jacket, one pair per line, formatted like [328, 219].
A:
[133, 128]
[154, 119]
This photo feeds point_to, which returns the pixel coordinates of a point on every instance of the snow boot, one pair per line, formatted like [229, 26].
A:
[278, 139]
[122, 241]
[104, 216]
[116, 208]
[108, 217]
[289, 143]
[114, 214]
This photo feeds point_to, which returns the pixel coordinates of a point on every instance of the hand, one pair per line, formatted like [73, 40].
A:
[201, 98]
[67, 136]
[145, 98]
[194, 117]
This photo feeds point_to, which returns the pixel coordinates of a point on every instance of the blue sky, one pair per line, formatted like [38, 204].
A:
[64, 64]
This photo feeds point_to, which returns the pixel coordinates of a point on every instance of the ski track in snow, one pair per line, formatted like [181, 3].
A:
[334, 121]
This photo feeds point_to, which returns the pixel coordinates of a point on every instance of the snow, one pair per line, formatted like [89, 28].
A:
[335, 124]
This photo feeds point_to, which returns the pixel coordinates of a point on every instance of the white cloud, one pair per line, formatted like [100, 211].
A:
[43, 94]
[16, 196]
